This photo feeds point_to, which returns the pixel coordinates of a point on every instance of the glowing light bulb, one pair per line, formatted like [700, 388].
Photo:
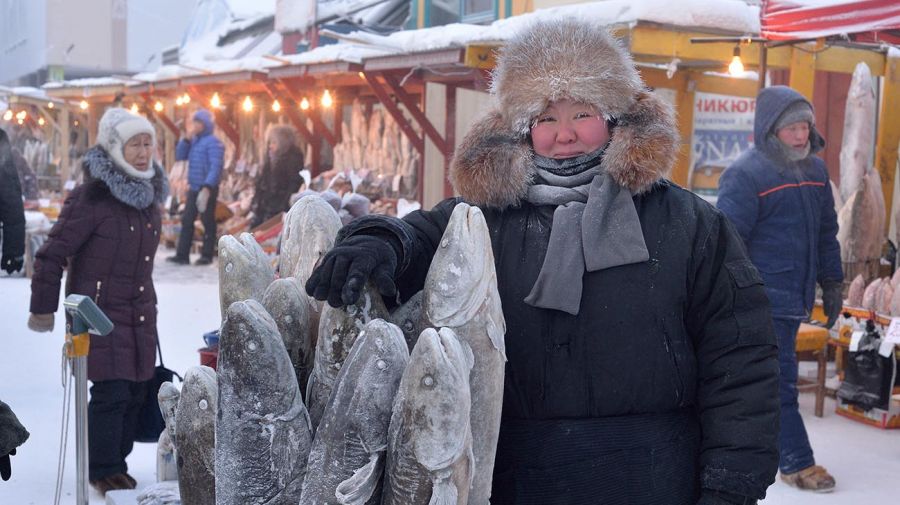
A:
[247, 105]
[134, 108]
[304, 104]
[276, 107]
[50, 105]
[20, 121]
[179, 102]
[76, 122]
[186, 99]
[362, 75]
[736, 67]
[215, 101]
[8, 115]
[41, 121]
[326, 99]
[21, 115]
[158, 106]
[83, 105]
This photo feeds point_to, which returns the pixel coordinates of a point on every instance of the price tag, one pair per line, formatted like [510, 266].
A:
[893, 331]
[854, 340]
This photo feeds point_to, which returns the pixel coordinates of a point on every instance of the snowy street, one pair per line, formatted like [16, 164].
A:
[864, 460]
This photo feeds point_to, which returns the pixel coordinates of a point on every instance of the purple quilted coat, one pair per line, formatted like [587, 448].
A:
[107, 235]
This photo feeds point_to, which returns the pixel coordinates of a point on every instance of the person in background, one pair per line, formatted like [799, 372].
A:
[280, 175]
[12, 211]
[205, 155]
[641, 362]
[27, 178]
[778, 196]
[12, 435]
[106, 236]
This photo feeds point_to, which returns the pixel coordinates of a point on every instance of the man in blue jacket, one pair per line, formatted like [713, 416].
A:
[205, 155]
[778, 196]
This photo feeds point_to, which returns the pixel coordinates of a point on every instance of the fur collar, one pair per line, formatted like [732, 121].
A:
[493, 165]
[101, 173]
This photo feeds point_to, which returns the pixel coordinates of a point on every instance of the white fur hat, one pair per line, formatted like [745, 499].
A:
[117, 126]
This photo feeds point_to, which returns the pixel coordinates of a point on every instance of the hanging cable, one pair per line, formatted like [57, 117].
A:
[64, 433]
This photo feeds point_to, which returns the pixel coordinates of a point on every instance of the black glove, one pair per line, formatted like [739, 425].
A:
[716, 497]
[5, 468]
[832, 301]
[11, 264]
[345, 269]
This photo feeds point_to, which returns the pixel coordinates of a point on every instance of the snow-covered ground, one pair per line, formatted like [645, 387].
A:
[865, 460]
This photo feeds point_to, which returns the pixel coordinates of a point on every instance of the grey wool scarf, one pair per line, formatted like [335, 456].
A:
[595, 227]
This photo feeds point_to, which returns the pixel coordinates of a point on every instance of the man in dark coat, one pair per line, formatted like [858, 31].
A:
[12, 211]
[107, 235]
[778, 196]
[280, 176]
[641, 358]
[205, 155]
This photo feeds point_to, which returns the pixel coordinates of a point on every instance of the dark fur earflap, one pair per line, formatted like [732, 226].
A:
[493, 165]
[644, 144]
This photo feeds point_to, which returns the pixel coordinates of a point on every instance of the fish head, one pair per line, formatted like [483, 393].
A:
[199, 393]
[384, 346]
[239, 255]
[252, 356]
[462, 269]
[310, 227]
[437, 382]
[287, 303]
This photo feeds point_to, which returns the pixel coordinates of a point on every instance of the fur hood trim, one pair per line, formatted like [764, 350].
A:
[572, 59]
[101, 173]
[493, 165]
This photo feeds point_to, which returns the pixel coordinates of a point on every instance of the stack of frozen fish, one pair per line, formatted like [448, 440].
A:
[881, 295]
[400, 407]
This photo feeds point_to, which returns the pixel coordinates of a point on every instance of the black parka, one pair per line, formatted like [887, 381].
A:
[12, 211]
[685, 336]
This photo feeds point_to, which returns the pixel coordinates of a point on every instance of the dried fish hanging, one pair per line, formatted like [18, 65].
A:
[376, 159]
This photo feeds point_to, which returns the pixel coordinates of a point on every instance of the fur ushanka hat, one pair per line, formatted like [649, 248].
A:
[549, 61]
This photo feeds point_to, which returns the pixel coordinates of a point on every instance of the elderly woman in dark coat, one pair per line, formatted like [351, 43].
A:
[280, 175]
[107, 235]
[642, 363]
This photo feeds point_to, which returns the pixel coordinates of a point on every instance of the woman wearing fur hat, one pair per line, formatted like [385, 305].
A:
[107, 235]
[280, 176]
[641, 360]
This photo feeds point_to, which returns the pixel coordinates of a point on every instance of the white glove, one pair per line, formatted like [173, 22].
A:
[202, 200]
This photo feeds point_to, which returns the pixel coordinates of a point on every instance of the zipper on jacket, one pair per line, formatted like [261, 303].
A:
[97, 296]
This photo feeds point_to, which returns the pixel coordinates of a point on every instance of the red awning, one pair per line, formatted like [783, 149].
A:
[862, 20]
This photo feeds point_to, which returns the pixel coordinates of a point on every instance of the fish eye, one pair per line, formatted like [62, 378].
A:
[381, 364]
[408, 325]
[428, 381]
[251, 344]
[203, 405]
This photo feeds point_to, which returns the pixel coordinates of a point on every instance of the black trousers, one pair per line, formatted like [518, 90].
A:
[208, 218]
[112, 422]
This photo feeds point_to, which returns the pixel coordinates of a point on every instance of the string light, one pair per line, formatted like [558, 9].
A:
[50, 105]
[21, 115]
[20, 121]
[41, 121]
[134, 108]
[276, 107]
[158, 106]
[736, 67]
[326, 99]
[247, 105]
[179, 101]
[83, 105]
[215, 101]
[186, 99]
[362, 75]
[76, 122]
[8, 115]
[304, 104]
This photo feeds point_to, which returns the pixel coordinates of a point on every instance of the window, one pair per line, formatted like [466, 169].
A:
[474, 11]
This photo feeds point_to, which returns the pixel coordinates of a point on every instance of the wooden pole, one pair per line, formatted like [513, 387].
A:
[886, 145]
